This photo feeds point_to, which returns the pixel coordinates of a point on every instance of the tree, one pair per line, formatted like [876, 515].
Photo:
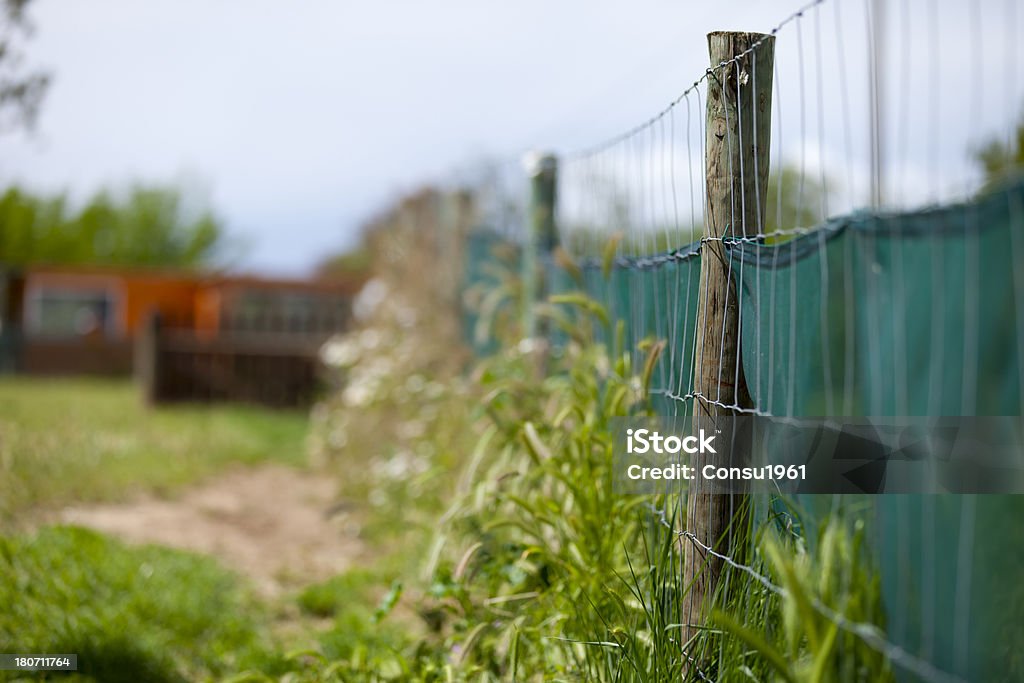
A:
[355, 261]
[145, 226]
[1001, 160]
[21, 91]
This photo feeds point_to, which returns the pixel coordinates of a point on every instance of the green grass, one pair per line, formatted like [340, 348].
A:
[335, 595]
[148, 613]
[129, 613]
[87, 440]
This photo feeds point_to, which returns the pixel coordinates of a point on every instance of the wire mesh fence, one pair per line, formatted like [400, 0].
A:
[911, 307]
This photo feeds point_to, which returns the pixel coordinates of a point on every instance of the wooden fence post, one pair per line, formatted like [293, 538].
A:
[739, 94]
[541, 234]
[147, 358]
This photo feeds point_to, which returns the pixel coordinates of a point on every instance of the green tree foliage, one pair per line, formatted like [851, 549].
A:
[355, 261]
[794, 200]
[146, 226]
[1001, 159]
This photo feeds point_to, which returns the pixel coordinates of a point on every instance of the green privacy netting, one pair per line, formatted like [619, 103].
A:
[489, 261]
[904, 314]
[886, 315]
[909, 314]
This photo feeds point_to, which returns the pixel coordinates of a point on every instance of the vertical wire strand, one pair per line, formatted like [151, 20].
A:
[823, 290]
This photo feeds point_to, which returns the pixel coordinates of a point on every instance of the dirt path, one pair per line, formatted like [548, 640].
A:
[271, 523]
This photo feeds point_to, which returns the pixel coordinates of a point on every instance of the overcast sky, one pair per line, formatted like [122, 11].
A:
[301, 119]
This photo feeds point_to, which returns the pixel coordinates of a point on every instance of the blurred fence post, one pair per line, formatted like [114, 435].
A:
[458, 211]
[147, 358]
[541, 237]
[738, 139]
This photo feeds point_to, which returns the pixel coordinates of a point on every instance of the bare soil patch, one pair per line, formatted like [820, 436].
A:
[271, 523]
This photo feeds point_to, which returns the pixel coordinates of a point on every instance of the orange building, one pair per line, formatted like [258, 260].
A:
[57, 320]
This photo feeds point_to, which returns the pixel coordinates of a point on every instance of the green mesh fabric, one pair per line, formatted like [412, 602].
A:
[489, 262]
[905, 314]
[655, 302]
[909, 314]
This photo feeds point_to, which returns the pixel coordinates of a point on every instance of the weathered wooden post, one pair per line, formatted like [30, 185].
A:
[541, 233]
[739, 94]
[147, 358]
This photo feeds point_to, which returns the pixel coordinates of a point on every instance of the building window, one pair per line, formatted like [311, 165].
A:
[71, 313]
